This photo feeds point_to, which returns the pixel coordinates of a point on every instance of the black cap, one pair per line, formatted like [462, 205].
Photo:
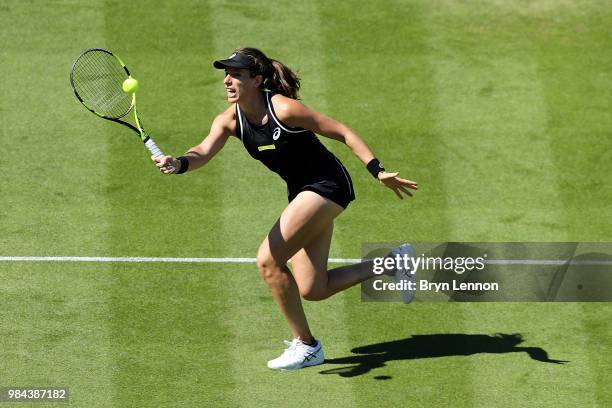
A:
[236, 60]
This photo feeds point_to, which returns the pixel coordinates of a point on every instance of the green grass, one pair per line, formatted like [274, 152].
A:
[499, 109]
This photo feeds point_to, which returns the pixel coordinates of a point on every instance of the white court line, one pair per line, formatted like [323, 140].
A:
[142, 259]
[533, 262]
[536, 262]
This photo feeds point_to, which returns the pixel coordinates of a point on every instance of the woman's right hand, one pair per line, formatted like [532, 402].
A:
[167, 164]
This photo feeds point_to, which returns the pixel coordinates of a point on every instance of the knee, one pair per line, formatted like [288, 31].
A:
[269, 269]
[313, 294]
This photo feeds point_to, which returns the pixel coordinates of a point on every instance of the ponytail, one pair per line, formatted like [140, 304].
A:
[276, 76]
[283, 80]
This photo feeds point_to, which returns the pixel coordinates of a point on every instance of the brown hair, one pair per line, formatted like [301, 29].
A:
[276, 76]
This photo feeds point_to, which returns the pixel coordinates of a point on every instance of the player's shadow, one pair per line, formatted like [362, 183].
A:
[431, 345]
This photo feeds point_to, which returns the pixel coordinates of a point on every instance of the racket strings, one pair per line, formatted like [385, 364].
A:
[97, 78]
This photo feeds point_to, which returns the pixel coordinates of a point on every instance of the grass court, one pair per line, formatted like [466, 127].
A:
[499, 109]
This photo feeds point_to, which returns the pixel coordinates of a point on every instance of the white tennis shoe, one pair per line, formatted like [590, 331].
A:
[298, 355]
[404, 274]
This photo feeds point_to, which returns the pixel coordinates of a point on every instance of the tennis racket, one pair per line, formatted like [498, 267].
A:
[97, 77]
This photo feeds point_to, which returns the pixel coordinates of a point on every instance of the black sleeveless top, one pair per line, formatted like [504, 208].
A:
[295, 154]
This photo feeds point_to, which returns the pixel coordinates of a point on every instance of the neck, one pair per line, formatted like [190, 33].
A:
[254, 107]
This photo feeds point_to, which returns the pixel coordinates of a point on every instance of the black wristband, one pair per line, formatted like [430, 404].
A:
[184, 164]
[375, 167]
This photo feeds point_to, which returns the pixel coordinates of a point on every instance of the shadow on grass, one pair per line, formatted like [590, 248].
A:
[428, 346]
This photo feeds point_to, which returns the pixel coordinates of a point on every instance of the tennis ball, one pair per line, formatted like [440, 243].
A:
[130, 85]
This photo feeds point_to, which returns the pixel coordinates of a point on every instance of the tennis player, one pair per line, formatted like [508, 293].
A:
[278, 130]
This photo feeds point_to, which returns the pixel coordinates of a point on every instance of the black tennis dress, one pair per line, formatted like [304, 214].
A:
[296, 155]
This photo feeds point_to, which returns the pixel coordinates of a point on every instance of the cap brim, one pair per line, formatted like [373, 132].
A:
[228, 63]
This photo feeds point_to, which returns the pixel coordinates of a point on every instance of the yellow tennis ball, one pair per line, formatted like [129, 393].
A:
[130, 85]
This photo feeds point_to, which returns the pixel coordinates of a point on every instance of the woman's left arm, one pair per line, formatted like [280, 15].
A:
[295, 114]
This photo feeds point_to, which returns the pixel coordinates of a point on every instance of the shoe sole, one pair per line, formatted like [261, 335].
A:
[297, 368]
[304, 365]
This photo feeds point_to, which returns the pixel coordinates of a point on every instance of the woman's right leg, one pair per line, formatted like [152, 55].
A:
[304, 219]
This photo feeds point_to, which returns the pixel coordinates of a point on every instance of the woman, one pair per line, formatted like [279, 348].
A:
[278, 130]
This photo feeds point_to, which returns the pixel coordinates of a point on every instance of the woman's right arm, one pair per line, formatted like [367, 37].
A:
[222, 128]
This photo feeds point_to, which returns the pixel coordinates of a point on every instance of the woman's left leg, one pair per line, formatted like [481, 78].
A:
[314, 280]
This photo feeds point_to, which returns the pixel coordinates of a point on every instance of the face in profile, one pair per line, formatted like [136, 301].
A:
[239, 83]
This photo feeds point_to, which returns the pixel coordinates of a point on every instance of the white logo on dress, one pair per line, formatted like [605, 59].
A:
[276, 133]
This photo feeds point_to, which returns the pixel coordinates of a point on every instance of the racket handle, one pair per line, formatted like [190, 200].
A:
[152, 146]
[155, 151]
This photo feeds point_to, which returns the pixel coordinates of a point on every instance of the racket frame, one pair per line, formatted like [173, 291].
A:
[139, 128]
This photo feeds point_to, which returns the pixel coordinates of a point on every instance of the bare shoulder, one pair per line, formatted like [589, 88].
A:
[286, 108]
[227, 115]
[226, 120]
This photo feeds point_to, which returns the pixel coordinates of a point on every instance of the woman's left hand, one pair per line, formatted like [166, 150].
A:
[397, 184]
